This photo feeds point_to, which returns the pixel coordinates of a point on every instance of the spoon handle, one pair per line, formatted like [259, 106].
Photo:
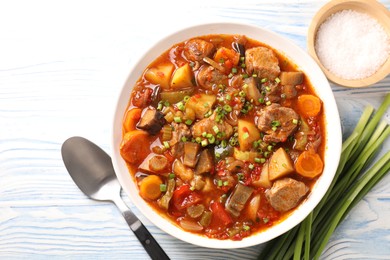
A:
[147, 240]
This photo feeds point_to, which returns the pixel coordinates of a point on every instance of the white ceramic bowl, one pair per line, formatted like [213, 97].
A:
[322, 88]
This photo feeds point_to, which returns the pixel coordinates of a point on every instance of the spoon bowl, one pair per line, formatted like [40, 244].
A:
[92, 170]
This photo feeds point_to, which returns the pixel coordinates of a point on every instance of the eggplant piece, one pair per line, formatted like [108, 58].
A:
[237, 200]
[155, 97]
[151, 121]
[291, 78]
[239, 48]
[177, 150]
[205, 163]
[289, 91]
[191, 151]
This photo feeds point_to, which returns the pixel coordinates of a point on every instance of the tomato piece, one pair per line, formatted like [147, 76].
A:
[220, 216]
[183, 197]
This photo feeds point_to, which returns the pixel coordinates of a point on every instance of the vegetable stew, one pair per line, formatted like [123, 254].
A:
[224, 136]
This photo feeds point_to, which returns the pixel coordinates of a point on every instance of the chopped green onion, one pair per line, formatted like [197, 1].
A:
[183, 139]
[268, 103]
[166, 144]
[177, 119]
[263, 80]
[277, 80]
[204, 143]
[186, 98]
[180, 106]
[246, 228]
[227, 108]
[188, 122]
[295, 121]
[251, 166]
[234, 70]
[245, 135]
[171, 176]
[219, 183]
[208, 114]
[216, 129]
[163, 187]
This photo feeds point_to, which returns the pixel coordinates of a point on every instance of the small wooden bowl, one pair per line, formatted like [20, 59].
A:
[370, 7]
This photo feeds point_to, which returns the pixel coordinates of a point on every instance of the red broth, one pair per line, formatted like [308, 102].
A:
[224, 136]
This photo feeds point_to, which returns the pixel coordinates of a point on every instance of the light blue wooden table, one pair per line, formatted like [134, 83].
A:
[62, 64]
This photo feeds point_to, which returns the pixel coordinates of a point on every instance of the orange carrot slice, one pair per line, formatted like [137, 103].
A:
[150, 187]
[131, 119]
[309, 164]
[309, 105]
[135, 146]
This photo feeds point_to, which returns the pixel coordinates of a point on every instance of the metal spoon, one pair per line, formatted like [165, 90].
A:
[91, 169]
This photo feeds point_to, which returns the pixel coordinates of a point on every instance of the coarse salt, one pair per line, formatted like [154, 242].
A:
[352, 45]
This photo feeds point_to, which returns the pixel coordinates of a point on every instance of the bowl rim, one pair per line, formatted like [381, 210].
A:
[332, 120]
[361, 6]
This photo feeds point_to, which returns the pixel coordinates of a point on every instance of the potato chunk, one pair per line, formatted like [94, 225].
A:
[280, 164]
[247, 134]
[263, 180]
[182, 77]
[160, 75]
[201, 104]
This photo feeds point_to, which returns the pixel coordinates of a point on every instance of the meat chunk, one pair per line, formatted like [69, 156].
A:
[208, 77]
[277, 122]
[197, 49]
[208, 124]
[152, 121]
[285, 194]
[180, 130]
[237, 200]
[263, 62]
[272, 91]
[205, 163]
